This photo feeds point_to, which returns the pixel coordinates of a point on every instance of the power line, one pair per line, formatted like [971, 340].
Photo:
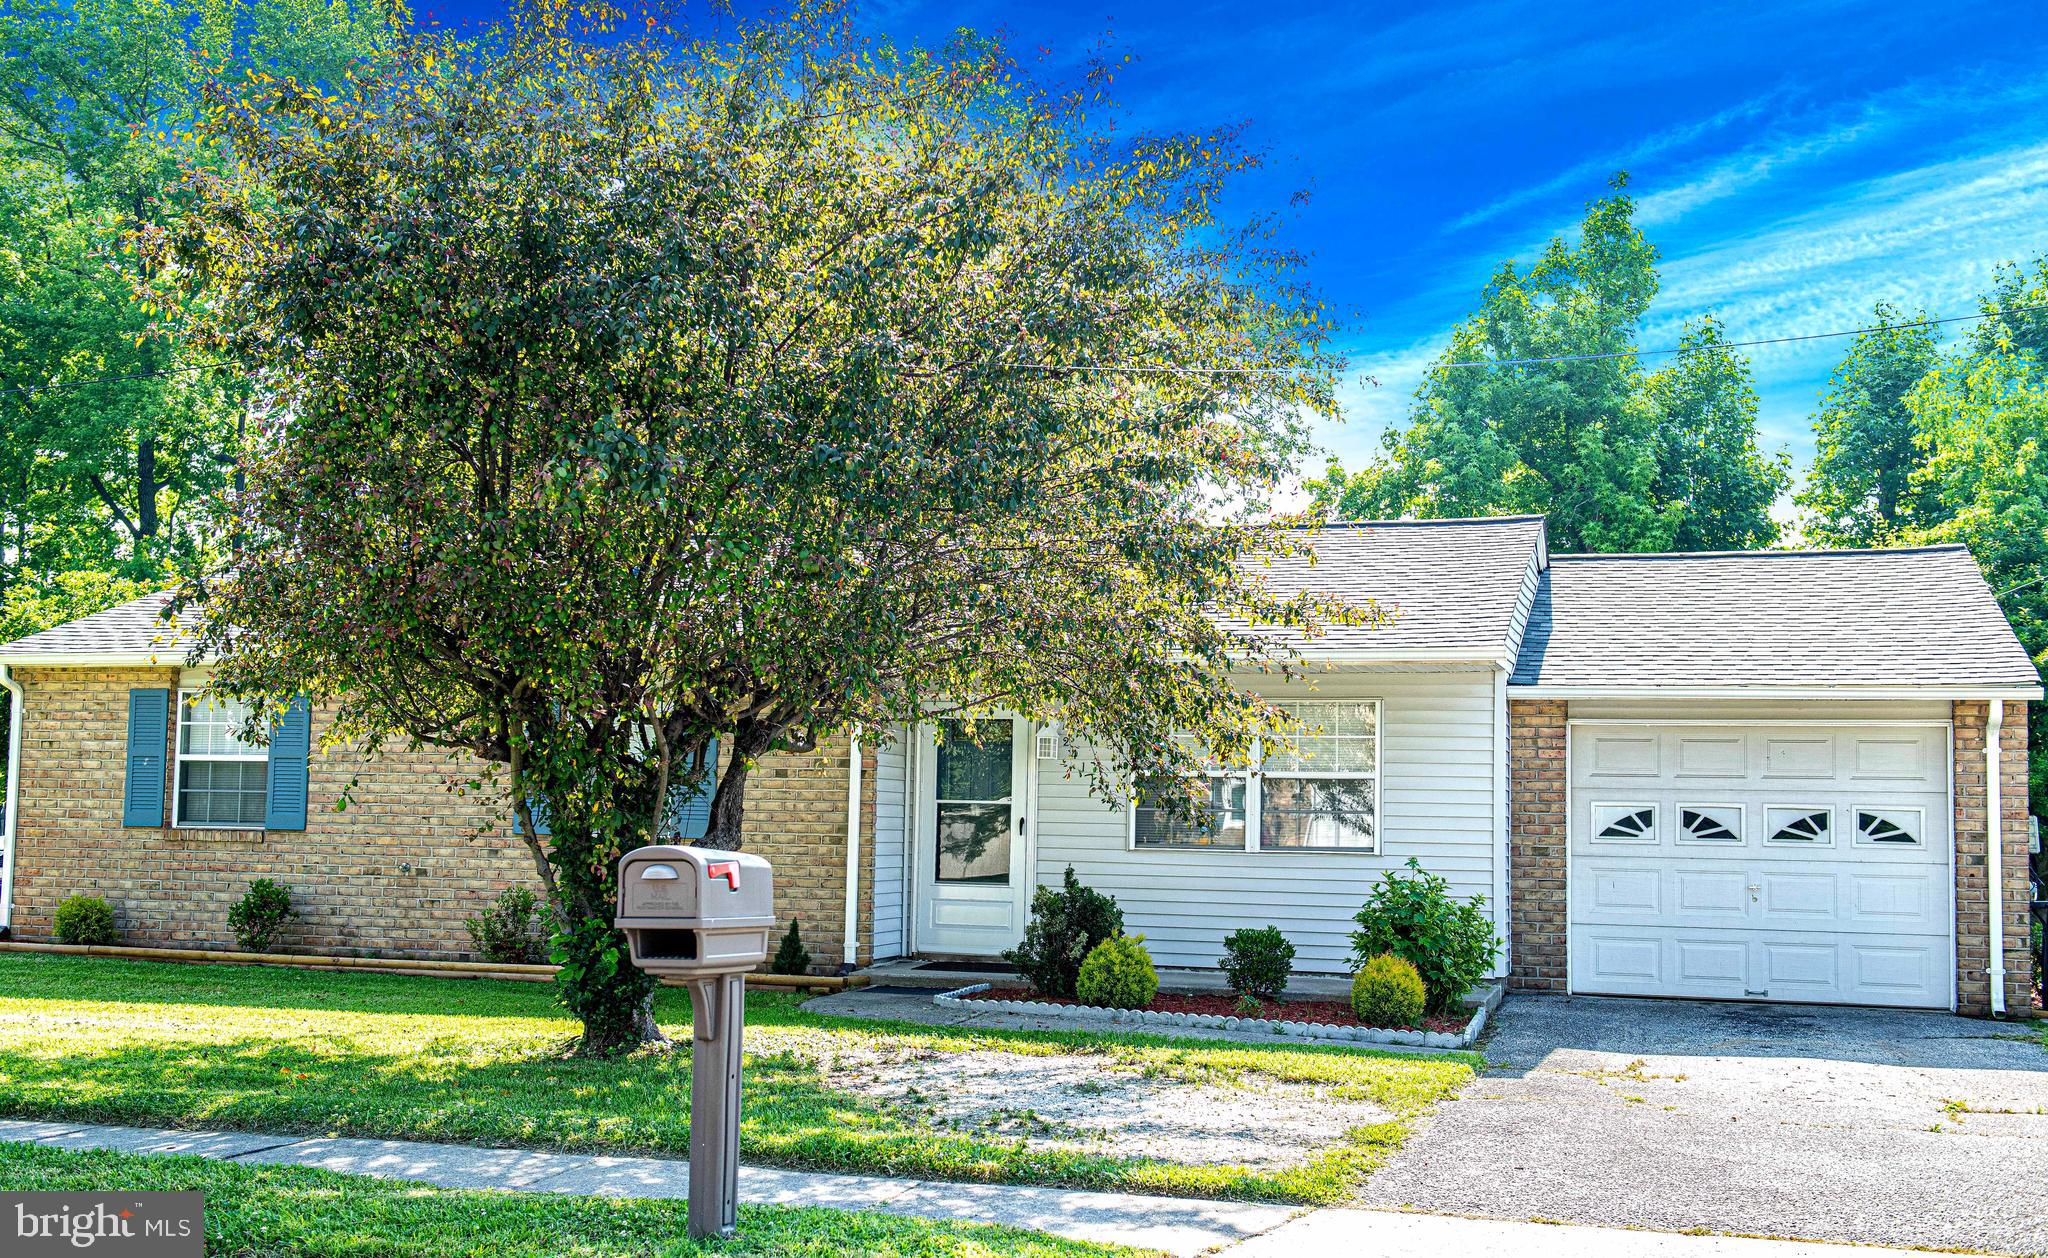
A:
[1772, 340]
[1141, 369]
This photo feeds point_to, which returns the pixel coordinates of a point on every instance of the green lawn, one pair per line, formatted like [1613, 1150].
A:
[483, 1062]
[279, 1211]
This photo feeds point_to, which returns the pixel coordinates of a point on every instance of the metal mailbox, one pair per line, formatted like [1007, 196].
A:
[703, 916]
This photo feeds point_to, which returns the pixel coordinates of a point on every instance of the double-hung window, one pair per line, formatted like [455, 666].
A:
[222, 780]
[1315, 790]
[1220, 800]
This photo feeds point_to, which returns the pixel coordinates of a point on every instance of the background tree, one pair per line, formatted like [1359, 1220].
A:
[96, 101]
[626, 395]
[1864, 452]
[1620, 460]
[1982, 428]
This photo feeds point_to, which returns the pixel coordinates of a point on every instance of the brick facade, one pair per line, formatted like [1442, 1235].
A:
[1973, 930]
[395, 874]
[1537, 830]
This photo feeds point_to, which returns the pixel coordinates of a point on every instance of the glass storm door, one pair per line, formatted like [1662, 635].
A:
[972, 870]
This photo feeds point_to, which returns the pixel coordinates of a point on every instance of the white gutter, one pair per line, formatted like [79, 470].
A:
[851, 957]
[15, 707]
[1994, 853]
[2019, 693]
[1502, 889]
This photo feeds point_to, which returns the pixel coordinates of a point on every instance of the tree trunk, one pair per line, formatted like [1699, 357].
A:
[598, 981]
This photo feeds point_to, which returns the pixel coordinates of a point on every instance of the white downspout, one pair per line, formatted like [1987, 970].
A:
[1994, 853]
[15, 706]
[851, 958]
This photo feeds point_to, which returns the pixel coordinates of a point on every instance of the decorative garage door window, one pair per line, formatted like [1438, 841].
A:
[1709, 823]
[1890, 827]
[1806, 825]
[222, 780]
[1317, 790]
[1624, 823]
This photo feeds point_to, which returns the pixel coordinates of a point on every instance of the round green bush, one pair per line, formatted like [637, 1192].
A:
[86, 919]
[260, 914]
[1388, 992]
[1258, 962]
[1118, 974]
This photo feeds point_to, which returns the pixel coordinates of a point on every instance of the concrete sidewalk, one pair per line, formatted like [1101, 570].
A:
[1391, 1234]
[1175, 1225]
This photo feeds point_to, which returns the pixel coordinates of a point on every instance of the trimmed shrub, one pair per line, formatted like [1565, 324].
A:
[1118, 974]
[86, 919]
[513, 930]
[1257, 961]
[792, 957]
[260, 914]
[1066, 925]
[1448, 940]
[1388, 992]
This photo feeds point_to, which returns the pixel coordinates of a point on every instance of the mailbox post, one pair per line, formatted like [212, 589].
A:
[703, 916]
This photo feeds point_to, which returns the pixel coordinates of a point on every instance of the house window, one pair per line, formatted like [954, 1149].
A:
[1219, 798]
[222, 780]
[1320, 789]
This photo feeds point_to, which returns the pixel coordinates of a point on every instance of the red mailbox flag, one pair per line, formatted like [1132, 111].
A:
[728, 870]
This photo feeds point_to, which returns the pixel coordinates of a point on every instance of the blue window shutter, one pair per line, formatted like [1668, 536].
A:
[149, 722]
[690, 801]
[291, 743]
[538, 809]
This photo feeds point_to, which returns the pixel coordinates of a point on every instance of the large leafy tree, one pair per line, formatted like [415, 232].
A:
[1568, 423]
[1982, 428]
[117, 443]
[627, 394]
[1864, 454]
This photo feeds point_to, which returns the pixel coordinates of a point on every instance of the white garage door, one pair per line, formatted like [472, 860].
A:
[1762, 863]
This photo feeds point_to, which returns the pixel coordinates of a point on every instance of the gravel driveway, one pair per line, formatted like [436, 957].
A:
[1882, 1127]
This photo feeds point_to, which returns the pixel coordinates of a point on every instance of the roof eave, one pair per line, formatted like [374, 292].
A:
[97, 659]
[1943, 690]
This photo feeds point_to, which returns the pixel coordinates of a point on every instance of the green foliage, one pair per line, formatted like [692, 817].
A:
[1118, 974]
[97, 103]
[86, 919]
[480, 1062]
[643, 392]
[260, 914]
[1066, 925]
[511, 930]
[791, 957]
[1620, 459]
[1864, 452]
[1388, 991]
[1448, 940]
[1257, 961]
[314, 1213]
[1982, 431]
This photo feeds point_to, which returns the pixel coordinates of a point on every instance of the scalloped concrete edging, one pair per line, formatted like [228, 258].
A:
[1143, 1019]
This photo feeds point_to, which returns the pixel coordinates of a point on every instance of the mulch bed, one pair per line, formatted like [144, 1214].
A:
[1329, 1012]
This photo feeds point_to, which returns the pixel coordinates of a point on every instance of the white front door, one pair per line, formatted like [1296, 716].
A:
[972, 866]
[1804, 863]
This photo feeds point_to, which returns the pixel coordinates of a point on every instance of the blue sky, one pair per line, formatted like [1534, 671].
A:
[1795, 163]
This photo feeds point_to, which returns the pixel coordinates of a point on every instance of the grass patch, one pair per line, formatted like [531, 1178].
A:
[264, 1211]
[482, 1062]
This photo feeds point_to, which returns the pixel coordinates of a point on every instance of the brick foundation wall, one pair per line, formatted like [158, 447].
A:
[1973, 931]
[1536, 844]
[395, 874]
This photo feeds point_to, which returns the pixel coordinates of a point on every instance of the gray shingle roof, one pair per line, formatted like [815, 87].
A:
[1909, 617]
[134, 628]
[1452, 584]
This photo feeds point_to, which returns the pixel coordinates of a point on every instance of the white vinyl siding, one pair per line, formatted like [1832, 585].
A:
[891, 761]
[1436, 803]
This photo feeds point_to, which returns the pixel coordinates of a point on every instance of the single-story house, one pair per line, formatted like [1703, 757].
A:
[1789, 776]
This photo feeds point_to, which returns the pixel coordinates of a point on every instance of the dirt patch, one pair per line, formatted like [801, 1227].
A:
[1328, 1012]
[1099, 1105]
